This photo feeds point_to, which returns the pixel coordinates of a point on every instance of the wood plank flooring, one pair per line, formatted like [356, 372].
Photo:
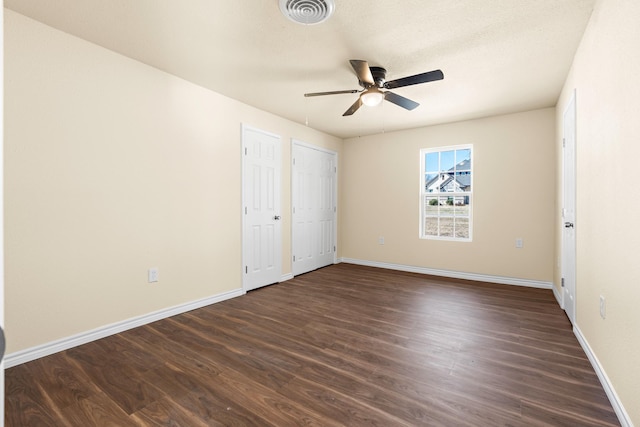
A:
[343, 345]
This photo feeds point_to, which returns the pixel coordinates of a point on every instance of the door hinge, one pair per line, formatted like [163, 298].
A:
[335, 169]
[245, 151]
[334, 209]
[562, 282]
[564, 142]
[334, 249]
[294, 258]
[294, 209]
[245, 210]
[294, 161]
[246, 269]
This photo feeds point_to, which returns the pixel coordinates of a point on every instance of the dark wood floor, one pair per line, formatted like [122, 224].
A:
[344, 345]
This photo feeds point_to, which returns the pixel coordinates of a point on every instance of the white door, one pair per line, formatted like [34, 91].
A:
[262, 235]
[327, 209]
[303, 193]
[313, 190]
[569, 210]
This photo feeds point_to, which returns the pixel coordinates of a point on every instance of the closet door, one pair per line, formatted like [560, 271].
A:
[313, 189]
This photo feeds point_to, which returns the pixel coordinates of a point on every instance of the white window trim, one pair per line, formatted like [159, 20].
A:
[423, 193]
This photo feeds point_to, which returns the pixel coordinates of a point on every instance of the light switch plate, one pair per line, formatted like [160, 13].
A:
[153, 274]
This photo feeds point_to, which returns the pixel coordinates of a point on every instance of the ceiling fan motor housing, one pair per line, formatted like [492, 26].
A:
[379, 74]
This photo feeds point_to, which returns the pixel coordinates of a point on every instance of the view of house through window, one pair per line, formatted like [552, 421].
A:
[446, 193]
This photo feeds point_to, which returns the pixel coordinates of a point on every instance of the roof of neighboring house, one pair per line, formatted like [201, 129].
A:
[464, 180]
[463, 165]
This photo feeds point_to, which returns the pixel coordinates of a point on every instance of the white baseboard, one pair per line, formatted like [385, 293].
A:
[453, 274]
[559, 297]
[286, 277]
[47, 349]
[623, 416]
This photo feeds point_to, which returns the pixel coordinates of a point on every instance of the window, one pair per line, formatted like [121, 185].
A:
[446, 193]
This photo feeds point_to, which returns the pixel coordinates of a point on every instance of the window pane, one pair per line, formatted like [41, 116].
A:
[446, 205]
[449, 184]
[430, 181]
[431, 226]
[431, 162]
[462, 228]
[447, 160]
[462, 206]
[463, 181]
[446, 227]
[463, 160]
[431, 206]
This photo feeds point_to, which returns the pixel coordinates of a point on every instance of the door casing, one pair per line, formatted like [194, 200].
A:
[568, 225]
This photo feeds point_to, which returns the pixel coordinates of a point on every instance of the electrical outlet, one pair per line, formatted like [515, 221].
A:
[153, 274]
[519, 243]
[381, 240]
[603, 307]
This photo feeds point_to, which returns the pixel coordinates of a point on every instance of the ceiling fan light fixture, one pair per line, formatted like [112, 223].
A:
[307, 12]
[372, 97]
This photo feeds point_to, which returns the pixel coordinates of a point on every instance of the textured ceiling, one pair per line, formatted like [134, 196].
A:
[498, 56]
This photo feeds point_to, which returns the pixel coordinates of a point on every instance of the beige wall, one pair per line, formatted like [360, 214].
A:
[112, 167]
[605, 75]
[514, 197]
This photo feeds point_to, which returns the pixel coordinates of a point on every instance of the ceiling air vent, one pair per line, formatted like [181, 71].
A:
[307, 12]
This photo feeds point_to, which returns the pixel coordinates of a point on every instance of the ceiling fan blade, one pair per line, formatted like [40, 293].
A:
[334, 92]
[429, 76]
[403, 102]
[362, 71]
[353, 108]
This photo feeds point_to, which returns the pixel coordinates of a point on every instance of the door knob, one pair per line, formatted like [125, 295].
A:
[277, 217]
[568, 225]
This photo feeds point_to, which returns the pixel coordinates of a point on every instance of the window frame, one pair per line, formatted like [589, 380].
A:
[423, 194]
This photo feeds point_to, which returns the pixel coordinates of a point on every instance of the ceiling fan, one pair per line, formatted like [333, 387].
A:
[372, 80]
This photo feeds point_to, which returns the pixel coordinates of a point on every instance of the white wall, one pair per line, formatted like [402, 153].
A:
[113, 167]
[605, 76]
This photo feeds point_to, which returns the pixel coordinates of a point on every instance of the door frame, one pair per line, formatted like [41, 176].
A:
[568, 268]
[300, 143]
[244, 249]
[2, 214]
